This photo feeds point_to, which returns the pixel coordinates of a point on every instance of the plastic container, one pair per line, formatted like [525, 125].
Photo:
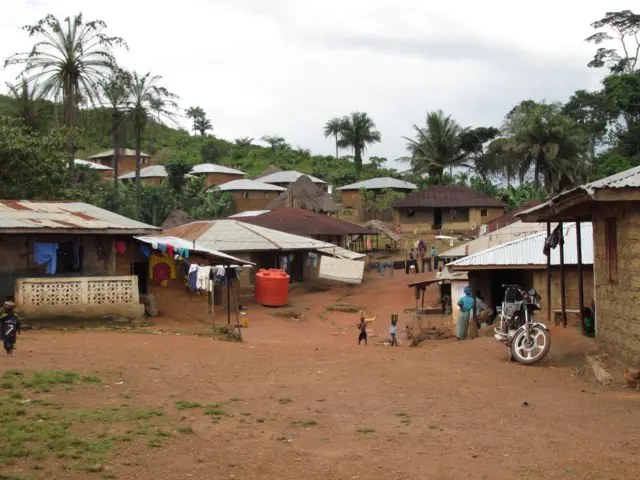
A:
[272, 288]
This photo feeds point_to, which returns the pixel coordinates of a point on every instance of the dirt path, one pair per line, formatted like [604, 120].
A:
[293, 411]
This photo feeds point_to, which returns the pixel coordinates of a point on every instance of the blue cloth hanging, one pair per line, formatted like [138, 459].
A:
[46, 253]
[162, 247]
[146, 251]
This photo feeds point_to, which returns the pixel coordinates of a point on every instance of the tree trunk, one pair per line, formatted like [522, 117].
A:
[336, 135]
[536, 173]
[138, 149]
[357, 162]
[70, 121]
[116, 142]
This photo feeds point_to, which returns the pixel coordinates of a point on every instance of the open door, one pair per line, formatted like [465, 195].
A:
[437, 218]
[141, 270]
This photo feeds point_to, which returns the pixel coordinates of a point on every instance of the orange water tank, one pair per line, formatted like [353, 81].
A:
[272, 288]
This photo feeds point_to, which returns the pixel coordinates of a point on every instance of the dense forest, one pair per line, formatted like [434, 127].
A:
[73, 101]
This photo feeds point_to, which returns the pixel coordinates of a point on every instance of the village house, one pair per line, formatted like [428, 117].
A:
[613, 206]
[251, 194]
[287, 178]
[127, 161]
[216, 174]
[351, 194]
[59, 259]
[450, 208]
[305, 194]
[523, 262]
[153, 175]
[106, 173]
[308, 224]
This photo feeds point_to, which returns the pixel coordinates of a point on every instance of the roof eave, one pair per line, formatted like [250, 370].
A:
[78, 231]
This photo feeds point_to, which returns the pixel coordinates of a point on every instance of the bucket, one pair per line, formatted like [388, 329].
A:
[244, 320]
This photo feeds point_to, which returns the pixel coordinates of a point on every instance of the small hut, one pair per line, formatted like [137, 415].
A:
[175, 219]
[382, 229]
[305, 194]
[268, 171]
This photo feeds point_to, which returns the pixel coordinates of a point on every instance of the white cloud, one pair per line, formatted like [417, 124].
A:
[286, 66]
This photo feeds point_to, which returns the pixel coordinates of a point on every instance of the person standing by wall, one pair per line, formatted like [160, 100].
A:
[466, 304]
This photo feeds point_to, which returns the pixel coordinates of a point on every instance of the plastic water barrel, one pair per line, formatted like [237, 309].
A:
[272, 288]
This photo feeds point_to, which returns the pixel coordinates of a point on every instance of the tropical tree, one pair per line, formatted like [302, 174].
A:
[275, 142]
[114, 93]
[26, 103]
[437, 146]
[142, 93]
[357, 131]
[475, 143]
[244, 142]
[203, 125]
[69, 60]
[622, 27]
[195, 113]
[332, 129]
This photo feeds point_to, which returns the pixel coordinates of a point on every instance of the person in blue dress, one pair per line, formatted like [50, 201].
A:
[466, 305]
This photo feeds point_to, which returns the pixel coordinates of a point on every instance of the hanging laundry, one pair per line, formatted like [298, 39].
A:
[154, 245]
[170, 250]
[162, 268]
[203, 278]
[46, 253]
[162, 247]
[146, 251]
[121, 247]
[369, 243]
[192, 277]
[553, 240]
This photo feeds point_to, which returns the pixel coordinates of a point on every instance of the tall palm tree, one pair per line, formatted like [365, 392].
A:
[141, 100]
[26, 103]
[244, 142]
[114, 92]
[69, 59]
[332, 129]
[436, 146]
[275, 142]
[357, 131]
[203, 125]
[195, 113]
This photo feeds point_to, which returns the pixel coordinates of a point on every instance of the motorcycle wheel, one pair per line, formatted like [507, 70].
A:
[531, 352]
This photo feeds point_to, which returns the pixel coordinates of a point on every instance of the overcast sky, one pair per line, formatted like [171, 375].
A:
[286, 66]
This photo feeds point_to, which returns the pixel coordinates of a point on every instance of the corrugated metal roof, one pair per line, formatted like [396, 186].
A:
[213, 168]
[246, 185]
[91, 165]
[528, 251]
[193, 247]
[304, 222]
[510, 217]
[287, 177]
[249, 213]
[35, 215]
[340, 252]
[379, 183]
[126, 152]
[447, 196]
[153, 171]
[509, 233]
[231, 235]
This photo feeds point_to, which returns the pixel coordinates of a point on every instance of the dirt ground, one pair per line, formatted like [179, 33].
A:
[299, 400]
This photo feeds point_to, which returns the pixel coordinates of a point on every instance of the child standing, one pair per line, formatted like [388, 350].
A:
[9, 327]
[392, 331]
[362, 326]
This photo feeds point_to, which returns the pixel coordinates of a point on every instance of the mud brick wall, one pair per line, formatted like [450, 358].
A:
[618, 304]
[571, 297]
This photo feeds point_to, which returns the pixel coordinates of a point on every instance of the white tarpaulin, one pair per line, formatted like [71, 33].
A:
[341, 270]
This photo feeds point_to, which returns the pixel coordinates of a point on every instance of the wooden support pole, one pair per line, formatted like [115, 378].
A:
[563, 305]
[580, 280]
[549, 278]
[226, 274]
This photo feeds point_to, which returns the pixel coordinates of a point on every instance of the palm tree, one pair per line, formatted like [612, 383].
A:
[358, 131]
[69, 60]
[114, 92]
[332, 129]
[203, 124]
[275, 142]
[195, 113]
[436, 146]
[141, 100]
[27, 103]
[244, 142]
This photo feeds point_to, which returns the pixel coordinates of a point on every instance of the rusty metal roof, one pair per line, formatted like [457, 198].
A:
[126, 152]
[43, 216]
[452, 196]
[304, 222]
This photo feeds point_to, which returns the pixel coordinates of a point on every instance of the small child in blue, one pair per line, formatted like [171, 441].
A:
[392, 331]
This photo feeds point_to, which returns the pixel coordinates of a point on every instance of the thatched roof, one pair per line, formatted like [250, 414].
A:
[305, 194]
[175, 219]
[268, 171]
[381, 228]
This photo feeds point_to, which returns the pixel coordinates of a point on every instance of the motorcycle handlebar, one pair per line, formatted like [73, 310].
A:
[511, 286]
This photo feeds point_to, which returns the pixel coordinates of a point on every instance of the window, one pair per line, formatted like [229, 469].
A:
[483, 212]
[245, 194]
[611, 248]
[70, 256]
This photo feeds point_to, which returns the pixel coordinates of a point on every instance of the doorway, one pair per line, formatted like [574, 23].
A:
[140, 270]
[437, 218]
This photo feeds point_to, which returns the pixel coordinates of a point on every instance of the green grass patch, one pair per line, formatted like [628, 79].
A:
[184, 405]
[90, 379]
[305, 423]
[185, 430]
[366, 430]
[402, 415]
[12, 375]
[8, 385]
[345, 308]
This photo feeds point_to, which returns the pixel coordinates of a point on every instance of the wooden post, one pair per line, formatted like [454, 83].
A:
[473, 326]
[580, 282]
[549, 277]
[226, 274]
[563, 305]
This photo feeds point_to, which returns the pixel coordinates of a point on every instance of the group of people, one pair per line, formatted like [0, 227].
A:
[484, 313]
[9, 327]
[362, 328]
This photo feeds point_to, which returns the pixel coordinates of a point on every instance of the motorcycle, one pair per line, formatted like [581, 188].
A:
[527, 341]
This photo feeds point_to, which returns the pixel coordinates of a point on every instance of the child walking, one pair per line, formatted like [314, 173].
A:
[362, 326]
[9, 327]
[392, 330]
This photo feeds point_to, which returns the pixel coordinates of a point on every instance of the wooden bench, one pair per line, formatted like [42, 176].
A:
[557, 315]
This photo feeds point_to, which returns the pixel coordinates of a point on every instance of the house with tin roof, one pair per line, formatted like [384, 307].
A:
[288, 177]
[126, 162]
[153, 175]
[251, 195]
[451, 208]
[351, 194]
[216, 174]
